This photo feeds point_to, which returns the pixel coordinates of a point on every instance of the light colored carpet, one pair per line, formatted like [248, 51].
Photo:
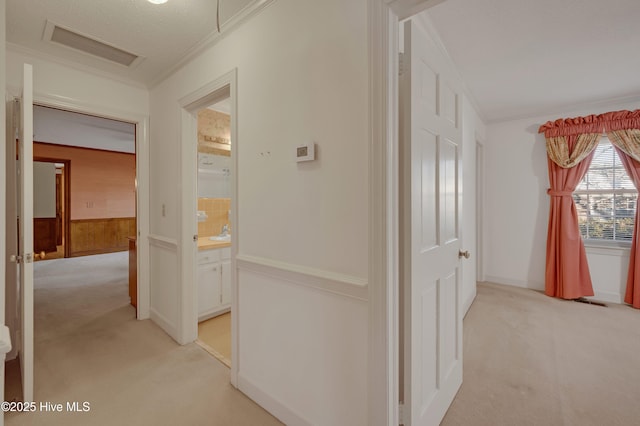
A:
[214, 335]
[528, 360]
[533, 360]
[89, 347]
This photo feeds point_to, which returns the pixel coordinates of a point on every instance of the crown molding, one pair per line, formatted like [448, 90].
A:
[22, 50]
[212, 39]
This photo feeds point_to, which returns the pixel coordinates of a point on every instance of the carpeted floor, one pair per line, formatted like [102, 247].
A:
[533, 360]
[528, 360]
[89, 347]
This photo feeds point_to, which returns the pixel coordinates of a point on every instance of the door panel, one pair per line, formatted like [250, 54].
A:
[25, 239]
[431, 144]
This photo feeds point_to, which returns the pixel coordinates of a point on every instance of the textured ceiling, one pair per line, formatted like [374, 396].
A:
[162, 34]
[526, 57]
[518, 57]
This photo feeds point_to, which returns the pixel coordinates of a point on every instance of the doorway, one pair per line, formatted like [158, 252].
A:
[51, 207]
[99, 274]
[214, 230]
[221, 89]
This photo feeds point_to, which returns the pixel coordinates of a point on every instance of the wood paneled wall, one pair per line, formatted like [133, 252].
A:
[96, 236]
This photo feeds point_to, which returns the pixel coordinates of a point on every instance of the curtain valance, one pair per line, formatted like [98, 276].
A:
[607, 122]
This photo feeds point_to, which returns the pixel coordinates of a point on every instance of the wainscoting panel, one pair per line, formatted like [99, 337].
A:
[96, 236]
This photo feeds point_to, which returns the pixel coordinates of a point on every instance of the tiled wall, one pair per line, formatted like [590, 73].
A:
[217, 210]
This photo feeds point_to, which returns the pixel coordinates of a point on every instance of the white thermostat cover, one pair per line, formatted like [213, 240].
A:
[306, 152]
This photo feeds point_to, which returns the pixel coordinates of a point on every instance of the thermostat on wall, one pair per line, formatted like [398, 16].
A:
[306, 152]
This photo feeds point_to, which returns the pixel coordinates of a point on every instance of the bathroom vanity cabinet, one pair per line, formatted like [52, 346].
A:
[214, 282]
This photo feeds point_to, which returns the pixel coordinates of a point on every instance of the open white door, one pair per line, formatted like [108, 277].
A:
[25, 240]
[431, 153]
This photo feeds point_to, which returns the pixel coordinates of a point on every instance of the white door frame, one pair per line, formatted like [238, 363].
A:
[216, 90]
[142, 179]
[384, 301]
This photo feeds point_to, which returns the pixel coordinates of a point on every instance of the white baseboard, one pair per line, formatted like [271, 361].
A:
[607, 296]
[467, 303]
[164, 324]
[603, 296]
[278, 409]
[515, 283]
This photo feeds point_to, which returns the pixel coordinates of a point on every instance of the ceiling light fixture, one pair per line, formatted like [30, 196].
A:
[157, 1]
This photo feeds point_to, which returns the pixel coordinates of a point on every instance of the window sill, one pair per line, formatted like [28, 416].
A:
[611, 248]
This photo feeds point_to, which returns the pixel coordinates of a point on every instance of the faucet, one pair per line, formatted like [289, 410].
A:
[225, 230]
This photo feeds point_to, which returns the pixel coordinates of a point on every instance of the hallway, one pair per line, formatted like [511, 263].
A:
[89, 347]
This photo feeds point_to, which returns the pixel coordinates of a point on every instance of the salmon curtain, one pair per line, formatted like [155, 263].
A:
[623, 129]
[632, 295]
[567, 272]
[570, 146]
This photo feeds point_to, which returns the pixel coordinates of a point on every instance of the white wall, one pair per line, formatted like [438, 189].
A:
[517, 208]
[302, 77]
[62, 83]
[44, 190]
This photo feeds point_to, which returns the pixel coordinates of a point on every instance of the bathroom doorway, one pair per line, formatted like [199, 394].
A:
[213, 270]
[219, 248]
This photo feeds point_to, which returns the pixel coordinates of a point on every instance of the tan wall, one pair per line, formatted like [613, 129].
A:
[217, 210]
[214, 132]
[102, 182]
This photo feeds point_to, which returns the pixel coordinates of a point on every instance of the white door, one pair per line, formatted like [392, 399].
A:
[25, 241]
[431, 150]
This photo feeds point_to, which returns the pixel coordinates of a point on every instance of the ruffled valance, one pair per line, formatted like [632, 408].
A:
[607, 122]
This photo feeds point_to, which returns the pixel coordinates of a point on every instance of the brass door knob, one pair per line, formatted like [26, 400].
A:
[40, 255]
[464, 254]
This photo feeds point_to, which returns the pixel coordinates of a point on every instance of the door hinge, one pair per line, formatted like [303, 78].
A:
[16, 118]
[401, 413]
[400, 63]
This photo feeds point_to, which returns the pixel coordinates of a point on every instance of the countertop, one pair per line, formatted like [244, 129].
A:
[204, 243]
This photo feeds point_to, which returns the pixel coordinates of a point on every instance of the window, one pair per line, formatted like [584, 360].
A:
[606, 198]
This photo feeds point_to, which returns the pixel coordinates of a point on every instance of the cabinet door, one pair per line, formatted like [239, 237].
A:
[208, 288]
[226, 282]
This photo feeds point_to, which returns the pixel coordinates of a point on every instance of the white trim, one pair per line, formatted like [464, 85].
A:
[601, 105]
[22, 50]
[480, 207]
[330, 282]
[225, 29]
[142, 176]
[532, 285]
[279, 410]
[407, 8]
[607, 296]
[467, 303]
[383, 368]
[608, 250]
[163, 242]
[223, 87]
[163, 323]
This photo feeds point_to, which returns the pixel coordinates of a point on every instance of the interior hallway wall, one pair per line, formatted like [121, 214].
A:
[302, 71]
[517, 208]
